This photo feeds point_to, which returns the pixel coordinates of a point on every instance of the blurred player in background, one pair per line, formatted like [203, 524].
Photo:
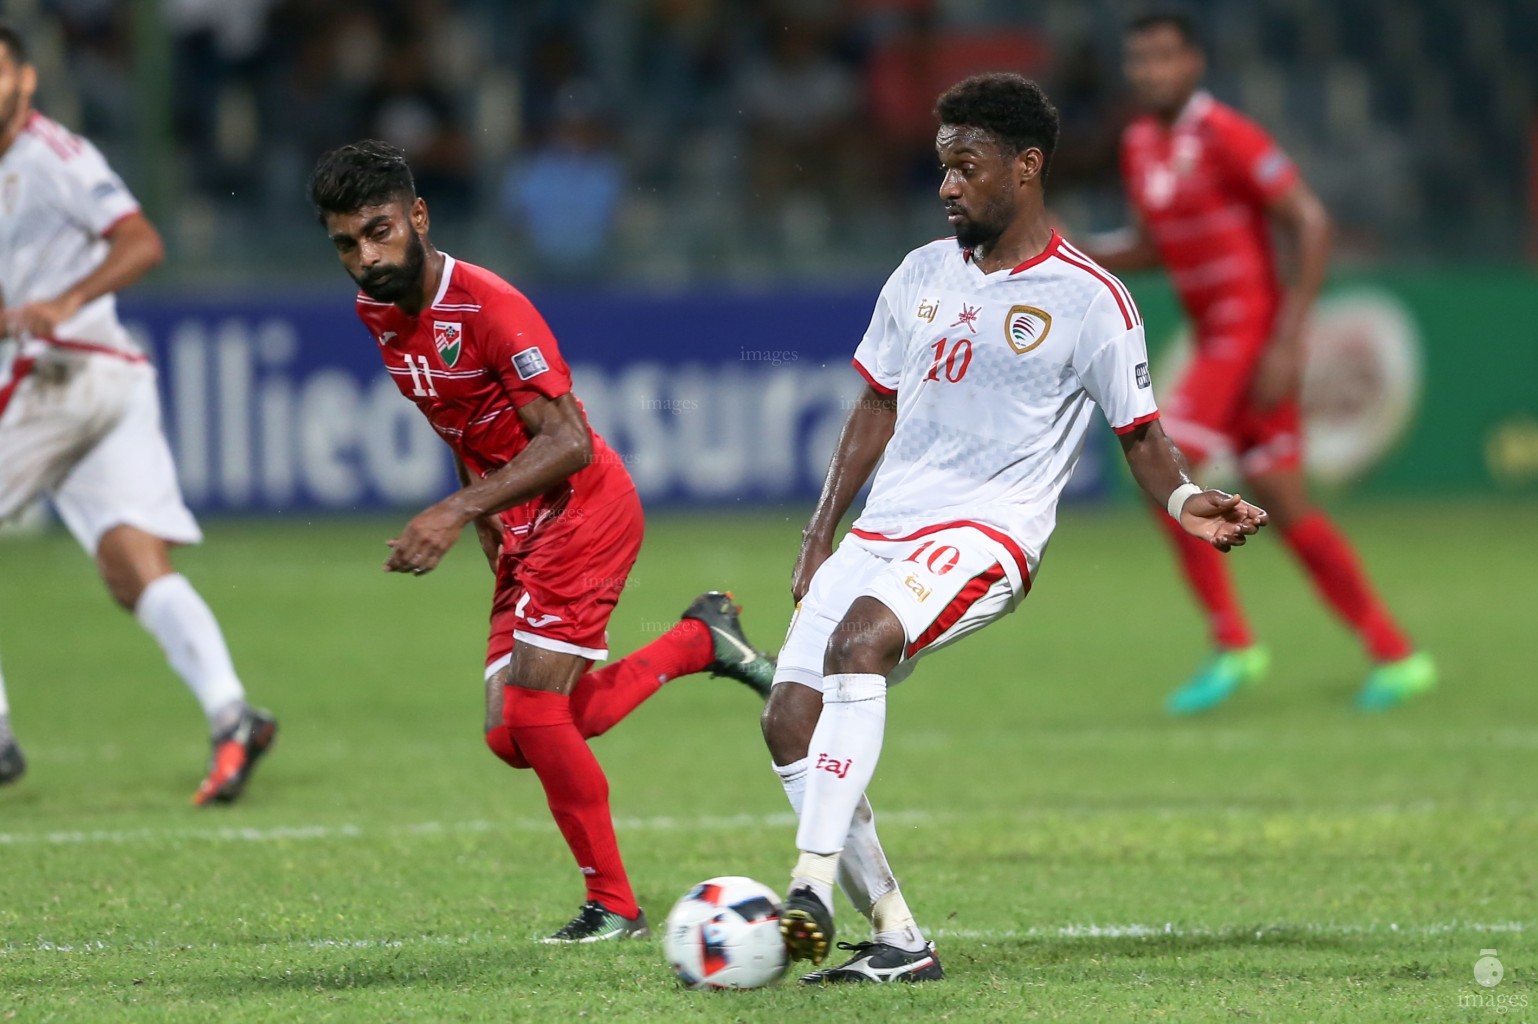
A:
[985, 359]
[556, 513]
[1207, 186]
[79, 414]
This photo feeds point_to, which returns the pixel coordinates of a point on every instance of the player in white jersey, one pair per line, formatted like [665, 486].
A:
[79, 414]
[985, 361]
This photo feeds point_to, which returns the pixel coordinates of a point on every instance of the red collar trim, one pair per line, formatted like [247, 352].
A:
[1045, 254]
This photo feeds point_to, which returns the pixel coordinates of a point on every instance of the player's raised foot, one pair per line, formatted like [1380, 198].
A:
[736, 657]
[879, 962]
[1218, 678]
[597, 923]
[1395, 682]
[235, 755]
[12, 765]
[806, 925]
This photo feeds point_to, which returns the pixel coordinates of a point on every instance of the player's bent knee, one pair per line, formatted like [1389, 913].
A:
[864, 644]
[501, 742]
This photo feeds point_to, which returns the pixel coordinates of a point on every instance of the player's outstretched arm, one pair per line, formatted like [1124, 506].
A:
[1131, 248]
[1223, 520]
[134, 248]
[860, 444]
[559, 445]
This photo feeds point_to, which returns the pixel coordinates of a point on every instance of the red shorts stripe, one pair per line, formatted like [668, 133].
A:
[96, 350]
[1127, 428]
[997, 536]
[951, 614]
[872, 380]
[19, 369]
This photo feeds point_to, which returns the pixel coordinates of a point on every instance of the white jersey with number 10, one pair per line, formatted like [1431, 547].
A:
[997, 377]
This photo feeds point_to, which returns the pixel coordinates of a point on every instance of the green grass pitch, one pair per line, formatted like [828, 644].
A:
[1078, 855]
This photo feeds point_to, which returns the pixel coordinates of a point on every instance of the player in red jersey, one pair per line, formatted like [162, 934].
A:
[555, 510]
[1207, 187]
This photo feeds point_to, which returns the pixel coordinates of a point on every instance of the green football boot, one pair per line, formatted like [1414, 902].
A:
[1395, 682]
[1217, 679]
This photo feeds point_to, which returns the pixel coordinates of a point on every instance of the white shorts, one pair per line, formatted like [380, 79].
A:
[86, 433]
[941, 584]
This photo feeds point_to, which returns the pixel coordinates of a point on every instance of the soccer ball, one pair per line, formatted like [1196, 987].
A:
[725, 933]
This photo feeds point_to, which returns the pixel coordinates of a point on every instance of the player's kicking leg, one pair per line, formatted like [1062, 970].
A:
[1400, 671]
[136, 566]
[898, 951]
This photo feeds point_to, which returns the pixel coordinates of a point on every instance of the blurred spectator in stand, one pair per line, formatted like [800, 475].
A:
[900, 89]
[407, 108]
[801, 106]
[1093, 112]
[566, 195]
[217, 49]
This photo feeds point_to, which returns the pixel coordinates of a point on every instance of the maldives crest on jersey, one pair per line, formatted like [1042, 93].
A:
[1026, 327]
[447, 336]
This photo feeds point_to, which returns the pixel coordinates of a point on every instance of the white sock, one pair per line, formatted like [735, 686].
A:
[5, 705]
[863, 871]
[841, 759]
[187, 631]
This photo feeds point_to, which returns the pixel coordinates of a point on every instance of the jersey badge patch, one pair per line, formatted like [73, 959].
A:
[1026, 327]
[1140, 371]
[968, 316]
[447, 338]
[529, 363]
[927, 310]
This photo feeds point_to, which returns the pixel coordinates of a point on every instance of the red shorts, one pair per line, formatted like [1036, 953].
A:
[557, 589]
[1210, 409]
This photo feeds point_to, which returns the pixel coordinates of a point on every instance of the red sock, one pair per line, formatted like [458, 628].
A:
[602, 698]
[541, 726]
[1208, 576]
[1339, 578]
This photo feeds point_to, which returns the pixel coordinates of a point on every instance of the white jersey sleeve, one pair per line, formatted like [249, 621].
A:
[90, 192]
[879, 357]
[1111, 362]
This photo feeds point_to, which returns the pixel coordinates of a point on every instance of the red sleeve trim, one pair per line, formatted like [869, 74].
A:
[872, 381]
[121, 218]
[1129, 427]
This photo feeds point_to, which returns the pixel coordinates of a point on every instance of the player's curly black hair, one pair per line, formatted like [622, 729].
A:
[1012, 107]
[359, 174]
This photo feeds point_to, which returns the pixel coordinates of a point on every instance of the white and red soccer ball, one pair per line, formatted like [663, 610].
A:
[725, 933]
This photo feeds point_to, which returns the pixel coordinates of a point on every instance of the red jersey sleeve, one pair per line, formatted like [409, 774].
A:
[1256, 164]
[517, 345]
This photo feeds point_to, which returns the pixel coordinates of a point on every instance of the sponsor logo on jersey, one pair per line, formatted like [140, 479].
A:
[1140, 371]
[529, 363]
[384, 339]
[447, 337]
[927, 310]
[1026, 327]
[104, 190]
[916, 585]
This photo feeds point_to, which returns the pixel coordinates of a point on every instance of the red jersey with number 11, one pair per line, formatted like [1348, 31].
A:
[1201, 187]
[469, 361]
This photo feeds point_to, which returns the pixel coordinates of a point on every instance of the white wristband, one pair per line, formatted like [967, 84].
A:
[1178, 499]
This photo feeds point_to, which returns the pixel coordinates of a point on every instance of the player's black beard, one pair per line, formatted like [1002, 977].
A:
[398, 280]
[983, 230]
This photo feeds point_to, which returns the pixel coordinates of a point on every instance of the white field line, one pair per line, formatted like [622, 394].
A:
[1067, 931]
[721, 823]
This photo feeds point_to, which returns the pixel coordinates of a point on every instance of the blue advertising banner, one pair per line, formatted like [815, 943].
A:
[282, 404]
